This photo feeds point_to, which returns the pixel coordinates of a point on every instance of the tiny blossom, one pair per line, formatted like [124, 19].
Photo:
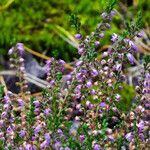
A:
[80, 51]
[10, 52]
[94, 72]
[108, 25]
[78, 36]
[57, 145]
[79, 63]
[67, 148]
[37, 129]
[102, 104]
[118, 97]
[114, 37]
[96, 147]
[36, 103]
[97, 43]
[47, 111]
[129, 136]
[133, 46]
[81, 138]
[101, 35]
[20, 47]
[130, 58]
[22, 133]
[89, 83]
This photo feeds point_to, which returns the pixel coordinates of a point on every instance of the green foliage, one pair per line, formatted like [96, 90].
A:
[127, 95]
[1, 91]
[33, 23]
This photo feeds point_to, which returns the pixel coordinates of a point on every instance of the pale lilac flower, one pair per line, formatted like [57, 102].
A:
[81, 138]
[47, 137]
[11, 51]
[20, 102]
[81, 51]
[129, 136]
[22, 133]
[36, 103]
[94, 73]
[79, 63]
[97, 43]
[67, 148]
[102, 104]
[44, 144]
[96, 147]
[101, 35]
[114, 37]
[47, 111]
[89, 83]
[133, 46]
[20, 47]
[78, 36]
[28, 147]
[117, 97]
[37, 129]
[57, 145]
[130, 58]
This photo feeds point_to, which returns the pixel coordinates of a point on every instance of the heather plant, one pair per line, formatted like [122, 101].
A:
[81, 110]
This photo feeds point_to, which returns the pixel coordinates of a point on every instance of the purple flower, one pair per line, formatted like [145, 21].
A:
[22, 133]
[96, 147]
[130, 58]
[97, 43]
[1, 123]
[101, 35]
[9, 130]
[36, 111]
[59, 131]
[129, 136]
[80, 51]
[133, 46]
[36, 103]
[37, 129]
[62, 62]
[94, 72]
[108, 25]
[57, 145]
[92, 92]
[81, 138]
[10, 52]
[47, 137]
[20, 47]
[89, 83]
[20, 102]
[78, 36]
[4, 115]
[114, 37]
[44, 144]
[6, 107]
[79, 63]
[141, 34]
[47, 111]
[67, 148]
[28, 147]
[141, 125]
[118, 97]
[68, 77]
[6, 99]
[102, 104]
[118, 67]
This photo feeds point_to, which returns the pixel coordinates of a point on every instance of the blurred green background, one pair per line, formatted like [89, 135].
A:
[33, 22]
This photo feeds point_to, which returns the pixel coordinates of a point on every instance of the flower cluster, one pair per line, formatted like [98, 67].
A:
[80, 110]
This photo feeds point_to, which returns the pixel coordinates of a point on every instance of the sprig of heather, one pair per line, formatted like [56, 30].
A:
[17, 63]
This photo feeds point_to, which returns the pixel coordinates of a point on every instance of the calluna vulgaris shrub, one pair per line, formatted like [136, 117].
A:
[82, 113]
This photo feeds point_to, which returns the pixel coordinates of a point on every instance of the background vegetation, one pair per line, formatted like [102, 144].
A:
[33, 22]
